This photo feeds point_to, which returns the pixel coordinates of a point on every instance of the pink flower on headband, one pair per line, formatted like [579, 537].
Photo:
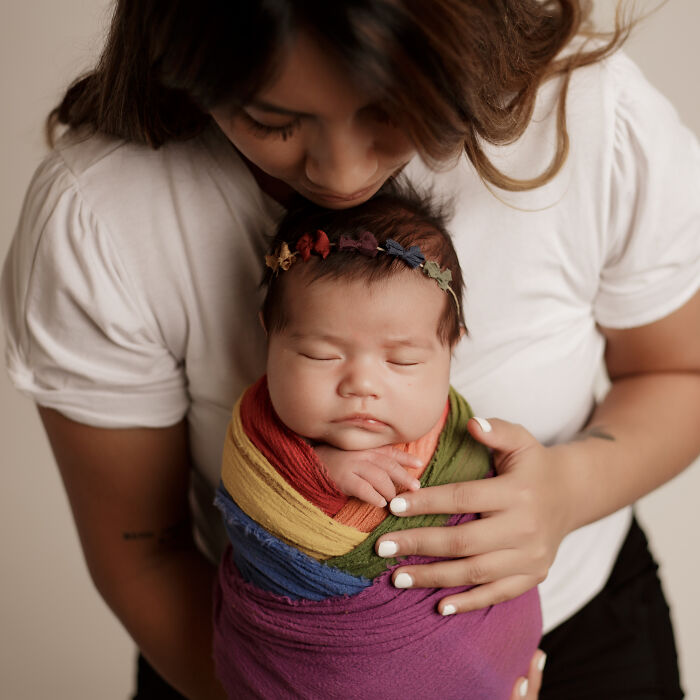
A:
[318, 244]
[366, 244]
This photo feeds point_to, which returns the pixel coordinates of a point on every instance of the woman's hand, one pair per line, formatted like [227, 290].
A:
[524, 517]
[374, 476]
[529, 687]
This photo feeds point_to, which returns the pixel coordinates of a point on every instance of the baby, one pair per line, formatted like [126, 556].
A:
[362, 313]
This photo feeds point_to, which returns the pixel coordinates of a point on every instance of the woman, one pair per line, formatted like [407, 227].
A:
[150, 266]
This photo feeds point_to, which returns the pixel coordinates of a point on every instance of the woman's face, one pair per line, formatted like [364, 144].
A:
[314, 131]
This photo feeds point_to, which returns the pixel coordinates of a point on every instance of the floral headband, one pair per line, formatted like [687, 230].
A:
[366, 244]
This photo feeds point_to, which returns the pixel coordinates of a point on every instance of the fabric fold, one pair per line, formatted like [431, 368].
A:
[304, 608]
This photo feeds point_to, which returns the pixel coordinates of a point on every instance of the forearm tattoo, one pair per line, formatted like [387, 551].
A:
[174, 536]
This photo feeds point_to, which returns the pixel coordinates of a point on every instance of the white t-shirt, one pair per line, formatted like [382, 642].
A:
[130, 293]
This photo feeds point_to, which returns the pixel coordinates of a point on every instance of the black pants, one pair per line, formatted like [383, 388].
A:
[618, 647]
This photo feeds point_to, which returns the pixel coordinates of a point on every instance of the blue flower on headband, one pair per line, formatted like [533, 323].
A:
[411, 256]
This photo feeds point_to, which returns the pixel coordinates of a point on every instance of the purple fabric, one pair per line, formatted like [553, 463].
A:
[381, 643]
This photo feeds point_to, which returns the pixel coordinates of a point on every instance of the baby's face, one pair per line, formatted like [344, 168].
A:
[358, 365]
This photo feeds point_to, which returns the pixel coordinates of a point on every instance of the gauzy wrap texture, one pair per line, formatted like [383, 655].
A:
[304, 608]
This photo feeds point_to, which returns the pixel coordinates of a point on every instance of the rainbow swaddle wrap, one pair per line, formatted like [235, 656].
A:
[304, 608]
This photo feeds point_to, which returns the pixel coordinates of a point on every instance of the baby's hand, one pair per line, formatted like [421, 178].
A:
[374, 476]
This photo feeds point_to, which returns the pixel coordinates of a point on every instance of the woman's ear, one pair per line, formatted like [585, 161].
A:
[262, 322]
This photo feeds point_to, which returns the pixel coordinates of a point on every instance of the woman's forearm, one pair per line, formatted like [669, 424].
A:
[645, 432]
[128, 491]
[166, 606]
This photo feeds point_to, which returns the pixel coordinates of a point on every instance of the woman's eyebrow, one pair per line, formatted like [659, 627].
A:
[269, 107]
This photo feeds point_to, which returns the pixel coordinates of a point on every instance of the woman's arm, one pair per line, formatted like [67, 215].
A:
[645, 432]
[128, 493]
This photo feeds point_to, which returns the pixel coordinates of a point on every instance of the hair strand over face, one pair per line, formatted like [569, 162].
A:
[474, 66]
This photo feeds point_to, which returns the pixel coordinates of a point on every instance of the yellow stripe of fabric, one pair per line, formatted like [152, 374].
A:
[267, 498]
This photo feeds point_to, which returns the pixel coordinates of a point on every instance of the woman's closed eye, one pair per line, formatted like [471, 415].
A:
[283, 131]
[379, 114]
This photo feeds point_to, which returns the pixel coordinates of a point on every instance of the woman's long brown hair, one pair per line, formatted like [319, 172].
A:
[453, 73]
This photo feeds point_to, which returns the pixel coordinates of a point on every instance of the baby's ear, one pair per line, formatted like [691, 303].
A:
[462, 332]
[262, 321]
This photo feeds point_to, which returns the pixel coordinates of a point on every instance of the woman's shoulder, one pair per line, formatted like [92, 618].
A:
[108, 170]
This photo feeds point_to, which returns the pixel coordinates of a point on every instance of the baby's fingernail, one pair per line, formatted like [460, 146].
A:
[415, 485]
[486, 427]
[387, 548]
[523, 688]
[449, 609]
[382, 504]
[403, 580]
[398, 505]
[541, 662]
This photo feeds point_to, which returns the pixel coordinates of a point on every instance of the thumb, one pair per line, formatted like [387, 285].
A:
[500, 435]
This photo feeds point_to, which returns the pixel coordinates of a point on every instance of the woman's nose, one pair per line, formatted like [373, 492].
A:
[342, 159]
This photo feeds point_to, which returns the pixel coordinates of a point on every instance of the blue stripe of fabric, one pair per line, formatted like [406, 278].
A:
[265, 561]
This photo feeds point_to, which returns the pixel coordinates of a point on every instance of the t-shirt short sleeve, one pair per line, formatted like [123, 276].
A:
[77, 339]
[652, 261]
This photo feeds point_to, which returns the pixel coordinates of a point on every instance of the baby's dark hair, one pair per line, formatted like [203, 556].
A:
[398, 212]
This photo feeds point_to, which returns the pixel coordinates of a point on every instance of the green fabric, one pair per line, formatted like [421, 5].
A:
[458, 457]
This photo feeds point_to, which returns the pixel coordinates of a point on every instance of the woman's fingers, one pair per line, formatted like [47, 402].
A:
[499, 434]
[487, 594]
[529, 688]
[464, 497]
[469, 571]
[466, 540]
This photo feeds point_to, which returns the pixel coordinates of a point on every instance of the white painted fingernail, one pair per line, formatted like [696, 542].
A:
[387, 548]
[398, 505]
[486, 427]
[523, 688]
[449, 609]
[542, 661]
[403, 581]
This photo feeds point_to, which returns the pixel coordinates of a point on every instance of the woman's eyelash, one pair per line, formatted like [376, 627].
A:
[283, 132]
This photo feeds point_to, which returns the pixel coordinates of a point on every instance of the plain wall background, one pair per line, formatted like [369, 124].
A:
[58, 640]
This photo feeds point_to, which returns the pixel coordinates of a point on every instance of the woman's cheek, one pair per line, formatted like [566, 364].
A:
[273, 155]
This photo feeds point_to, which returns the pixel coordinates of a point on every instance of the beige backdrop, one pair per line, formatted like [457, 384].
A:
[58, 640]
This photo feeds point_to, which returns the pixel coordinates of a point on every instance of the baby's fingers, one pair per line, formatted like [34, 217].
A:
[386, 459]
[359, 487]
[404, 459]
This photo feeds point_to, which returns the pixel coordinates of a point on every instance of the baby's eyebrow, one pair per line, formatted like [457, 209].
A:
[408, 343]
[315, 336]
[389, 343]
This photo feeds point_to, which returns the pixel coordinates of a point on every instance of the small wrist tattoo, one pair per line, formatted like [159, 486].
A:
[592, 432]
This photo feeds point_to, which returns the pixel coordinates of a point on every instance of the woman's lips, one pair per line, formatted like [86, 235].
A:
[332, 197]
